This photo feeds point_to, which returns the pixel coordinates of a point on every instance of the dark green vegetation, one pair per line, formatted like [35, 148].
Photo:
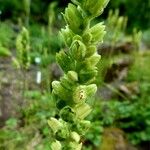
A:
[121, 108]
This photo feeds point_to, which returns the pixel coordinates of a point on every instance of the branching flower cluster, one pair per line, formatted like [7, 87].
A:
[79, 65]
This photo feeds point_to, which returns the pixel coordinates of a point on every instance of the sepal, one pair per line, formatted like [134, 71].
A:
[73, 18]
[56, 145]
[97, 32]
[65, 61]
[72, 75]
[67, 35]
[60, 91]
[91, 90]
[91, 50]
[74, 146]
[79, 94]
[78, 50]
[75, 136]
[93, 7]
[87, 37]
[69, 79]
[87, 76]
[54, 124]
[82, 110]
[92, 61]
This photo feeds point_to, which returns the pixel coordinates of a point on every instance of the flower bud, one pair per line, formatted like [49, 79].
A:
[91, 89]
[67, 35]
[66, 82]
[79, 94]
[90, 50]
[82, 110]
[78, 50]
[87, 37]
[60, 91]
[54, 124]
[77, 37]
[92, 61]
[65, 62]
[75, 136]
[74, 146]
[73, 18]
[94, 7]
[87, 75]
[56, 145]
[97, 33]
[72, 75]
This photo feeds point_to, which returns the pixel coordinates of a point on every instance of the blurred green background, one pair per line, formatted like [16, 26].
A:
[121, 107]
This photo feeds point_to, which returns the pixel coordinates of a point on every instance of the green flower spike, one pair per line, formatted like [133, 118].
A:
[78, 62]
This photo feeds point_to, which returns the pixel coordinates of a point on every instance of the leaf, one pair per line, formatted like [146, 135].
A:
[4, 52]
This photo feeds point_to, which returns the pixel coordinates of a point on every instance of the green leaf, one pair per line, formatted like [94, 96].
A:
[4, 52]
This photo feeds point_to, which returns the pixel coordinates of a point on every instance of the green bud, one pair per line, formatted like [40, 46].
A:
[73, 18]
[56, 145]
[67, 35]
[67, 114]
[74, 146]
[97, 33]
[92, 61]
[75, 136]
[82, 110]
[54, 124]
[87, 75]
[65, 62]
[90, 50]
[82, 92]
[60, 91]
[91, 90]
[94, 7]
[87, 37]
[79, 94]
[77, 37]
[72, 75]
[66, 82]
[78, 50]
